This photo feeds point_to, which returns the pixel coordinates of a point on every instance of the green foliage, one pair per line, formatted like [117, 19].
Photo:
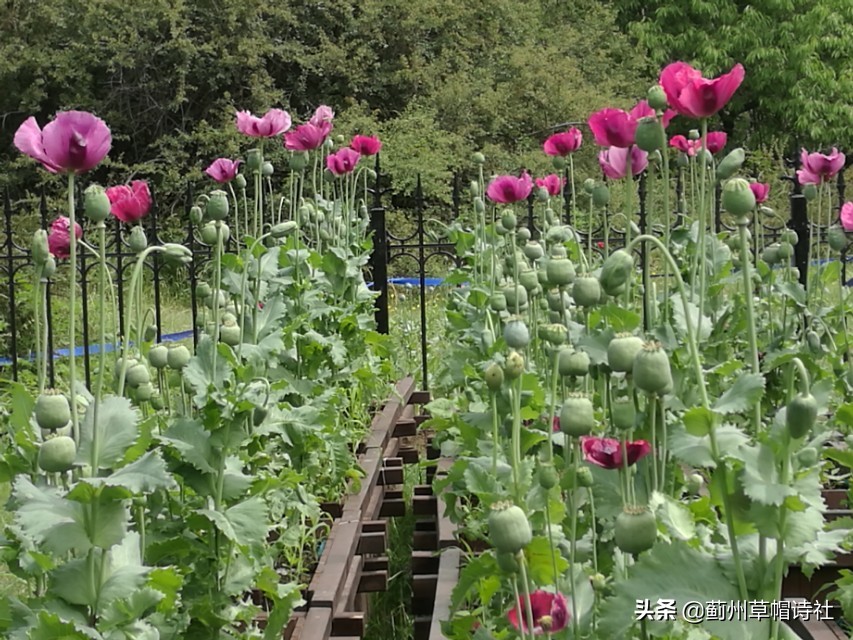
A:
[798, 89]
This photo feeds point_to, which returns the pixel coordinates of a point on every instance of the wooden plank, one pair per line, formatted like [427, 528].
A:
[373, 581]
[328, 582]
[424, 562]
[384, 422]
[371, 463]
[410, 455]
[372, 540]
[448, 575]
[348, 624]
[392, 507]
[420, 397]
[316, 625]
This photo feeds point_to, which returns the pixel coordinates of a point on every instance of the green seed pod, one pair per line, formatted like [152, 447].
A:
[516, 334]
[514, 365]
[229, 333]
[576, 416]
[57, 454]
[196, 215]
[615, 272]
[807, 457]
[557, 300]
[533, 250]
[651, 370]
[656, 98]
[559, 162]
[809, 192]
[178, 356]
[586, 291]
[731, 164]
[254, 160]
[137, 241]
[624, 414]
[267, 169]
[507, 563]
[649, 135]
[528, 279]
[636, 530]
[789, 236]
[494, 377]
[516, 298]
[837, 237]
[298, 161]
[40, 248]
[555, 333]
[560, 271]
[770, 255]
[478, 158]
[509, 220]
[547, 476]
[572, 363]
[52, 410]
[497, 301]
[801, 415]
[96, 204]
[738, 199]
[144, 392]
[137, 375]
[156, 402]
[786, 251]
[217, 205]
[509, 529]
[584, 477]
[622, 351]
[522, 235]
[600, 195]
[682, 161]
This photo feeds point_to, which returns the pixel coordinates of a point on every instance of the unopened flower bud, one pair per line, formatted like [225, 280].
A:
[656, 98]
[475, 188]
[177, 253]
[479, 205]
[371, 174]
[196, 216]
[282, 229]
[810, 191]
[694, 134]
[329, 144]
[39, 247]
[731, 164]
[96, 204]
[682, 161]
[478, 158]
[49, 268]
[240, 181]
[589, 185]
[559, 163]
[138, 241]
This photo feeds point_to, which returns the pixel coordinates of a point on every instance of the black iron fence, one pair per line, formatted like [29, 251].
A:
[425, 244]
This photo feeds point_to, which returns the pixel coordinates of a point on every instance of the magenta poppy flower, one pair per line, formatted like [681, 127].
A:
[690, 147]
[366, 145]
[847, 216]
[614, 161]
[716, 141]
[550, 612]
[552, 183]
[273, 123]
[562, 144]
[607, 452]
[643, 110]
[323, 115]
[306, 137]
[74, 141]
[613, 127]
[509, 189]
[760, 190]
[342, 162]
[59, 238]
[693, 96]
[819, 167]
[130, 203]
[223, 170]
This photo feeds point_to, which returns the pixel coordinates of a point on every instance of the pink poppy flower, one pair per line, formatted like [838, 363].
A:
[74, 141]
[552, 183]
[760, 190]
[509, 189]
[366, 145]
[819, 167]
[130, 203]
[562, 144]
[607, 452]
[614, 161]
[613, 127]
[550, 613]
[342, 162]
[693, 96]
[847, 216]
[223, 170]
[716, 141]
[323, 115]
[273, 123]
[690, 147]
[306, 137]
[59, 238]
[643, 110]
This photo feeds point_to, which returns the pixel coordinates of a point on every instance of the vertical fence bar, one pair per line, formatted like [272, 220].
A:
[799, 222]
[155, 267]
[567, 196]
[84, 299]
[10, 266]
[531, 222]
[379, 256]
[51, 368]
[120, 282]
[192, 266]
[456, 197]
[419, 206]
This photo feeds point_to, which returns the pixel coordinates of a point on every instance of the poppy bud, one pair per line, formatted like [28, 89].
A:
[707, 157]
[39, 247]
[475, 188]
[542, 194]
[267, 169]
[810, 191]
[738, 199]
[601, 195]
[479, 205]
[137, 242]
[588, 185]
[649, 135]
[656, 98]
[655, 157]
[96, 204]
[329, 144]
[178, 253]
[196, 215]
[371, 174]
[217, 205]
[682, 161]
[282, 229]
[298, 161]
[559, 163]
[478, 158]
[731, 164]
[254, 160]
[240, 181]
[694, 134]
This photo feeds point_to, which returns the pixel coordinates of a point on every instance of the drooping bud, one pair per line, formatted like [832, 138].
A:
[177, 253]
[282, 229]
[96, 204]
[731, 164]
[49, 268]
[137, 241]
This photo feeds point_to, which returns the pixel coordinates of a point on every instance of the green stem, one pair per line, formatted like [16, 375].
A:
[495, 434]
[72, 316]
[523, 566]
[518, 610]
[38, 295]
[573, 544]
[746, 268]
[703, 223]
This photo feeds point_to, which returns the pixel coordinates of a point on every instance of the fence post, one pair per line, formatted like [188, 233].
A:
[10, 265]
[419, 205]
[379, 256]
[47, 306]
[799, 222]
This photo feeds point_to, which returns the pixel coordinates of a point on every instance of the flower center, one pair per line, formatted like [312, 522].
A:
[77, 150]
[546, 622]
